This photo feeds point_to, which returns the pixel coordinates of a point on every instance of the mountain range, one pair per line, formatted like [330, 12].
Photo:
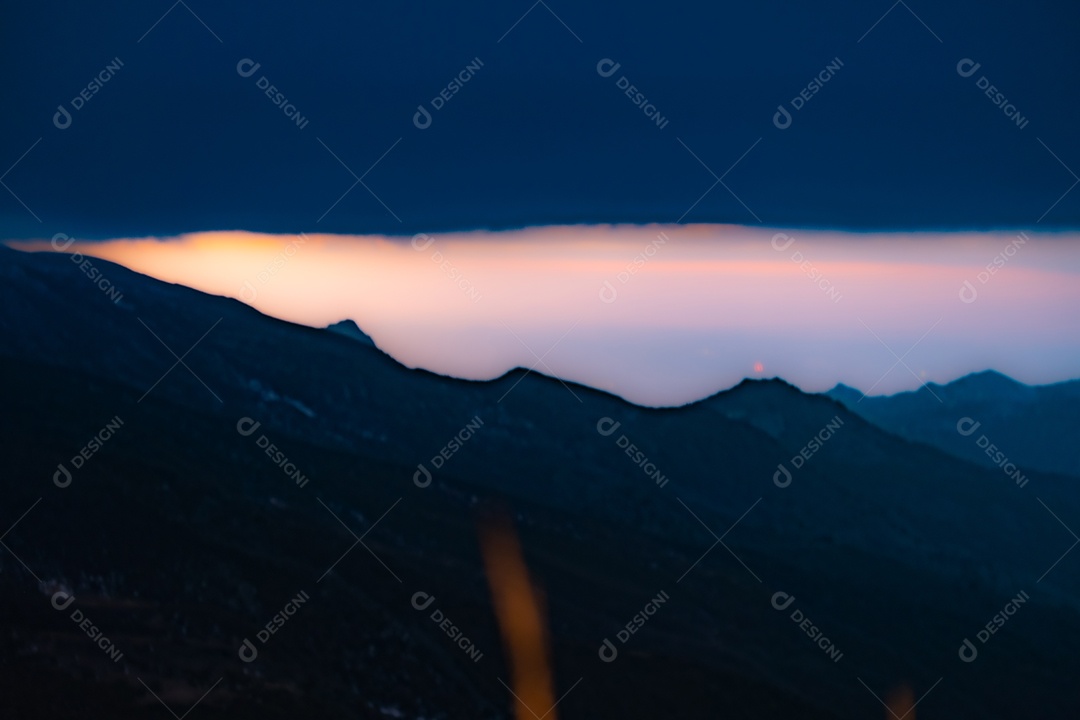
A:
[1035, 427]
[255, 460]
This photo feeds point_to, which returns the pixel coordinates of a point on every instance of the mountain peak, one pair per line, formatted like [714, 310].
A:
[350, 329]
[989, 384]
[844, 394]
[987, 377]
[773, 382]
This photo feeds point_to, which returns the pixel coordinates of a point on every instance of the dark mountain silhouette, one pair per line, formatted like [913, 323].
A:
[181, 536]
[1034, 427]
[349, 328]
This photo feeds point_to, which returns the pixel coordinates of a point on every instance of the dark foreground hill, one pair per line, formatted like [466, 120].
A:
[219, 464]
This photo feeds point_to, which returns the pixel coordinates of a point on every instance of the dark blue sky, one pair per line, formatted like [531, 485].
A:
[177, 140]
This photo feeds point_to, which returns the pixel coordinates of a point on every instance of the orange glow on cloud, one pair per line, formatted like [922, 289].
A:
[659, 314]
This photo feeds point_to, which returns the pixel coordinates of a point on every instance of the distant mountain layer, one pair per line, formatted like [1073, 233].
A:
[985, 417]
[222, 461]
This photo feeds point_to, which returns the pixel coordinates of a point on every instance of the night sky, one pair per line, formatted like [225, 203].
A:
[177, 140]
[818, 264]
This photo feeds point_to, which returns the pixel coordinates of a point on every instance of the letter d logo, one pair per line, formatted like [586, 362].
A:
[61, 600]
[62, 118]
[782, 118]
[968, 293]
[966, 426]
[782, 600]
[608, 293]
[61, 472]
[422, 601]
[606, 426]
[421, 241]
[61, 247]
[968, 652]
[424, 473]
[248, 293]
[607, 67]
[422, 118]
[784, 236]
[966, 68]
[246, 426]
[246, 68]
[782, 477]
[248, 651]
[608, 652]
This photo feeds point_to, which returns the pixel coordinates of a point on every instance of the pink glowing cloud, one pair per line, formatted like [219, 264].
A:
[662, 314]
